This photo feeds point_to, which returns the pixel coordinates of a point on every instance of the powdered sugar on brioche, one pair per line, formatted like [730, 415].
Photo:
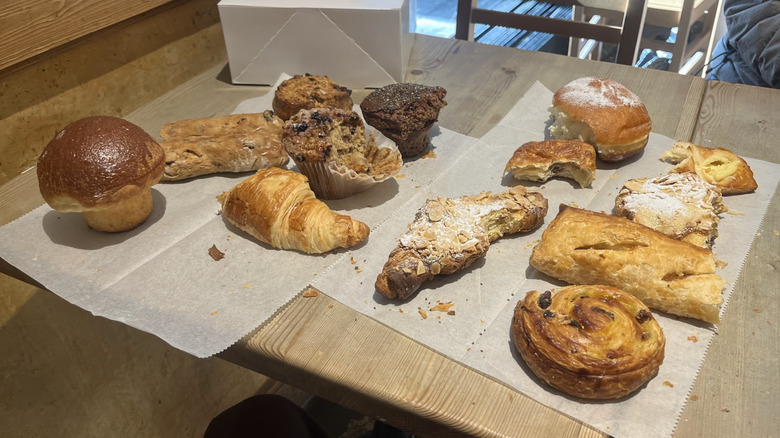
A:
[591, 91]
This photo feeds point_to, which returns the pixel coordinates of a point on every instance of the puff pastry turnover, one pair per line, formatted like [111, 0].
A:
[234, 143]
[584, 247]
[449, 234]
[681, 205]
[718, 166]
[594, 342]
[542, 160]
[277, 207]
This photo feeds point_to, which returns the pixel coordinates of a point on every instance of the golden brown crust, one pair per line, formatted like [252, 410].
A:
[541, 160]
[604, 113]
[307, 92]
[594, 342]
[277, 207]
[718, 166]
[585, 247]
[234, 143]
[448, 235]
[96, 163]
[680, 205]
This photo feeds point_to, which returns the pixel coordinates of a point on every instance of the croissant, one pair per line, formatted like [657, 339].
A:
[594, 342]
[448, 235]
[277, 207]
[235, 143]
[717, 166]
[585, 247]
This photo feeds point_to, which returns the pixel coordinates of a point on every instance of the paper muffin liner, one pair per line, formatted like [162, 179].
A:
[329, 180]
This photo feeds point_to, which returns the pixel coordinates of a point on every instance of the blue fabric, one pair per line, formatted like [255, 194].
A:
[749, 52]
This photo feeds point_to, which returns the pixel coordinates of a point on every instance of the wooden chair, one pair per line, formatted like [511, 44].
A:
[683, 14]
[626, 35]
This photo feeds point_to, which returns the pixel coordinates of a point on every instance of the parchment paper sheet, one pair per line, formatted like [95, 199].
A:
[160, 278]
[484, 296]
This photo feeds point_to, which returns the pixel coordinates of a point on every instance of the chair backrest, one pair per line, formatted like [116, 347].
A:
[627, 36]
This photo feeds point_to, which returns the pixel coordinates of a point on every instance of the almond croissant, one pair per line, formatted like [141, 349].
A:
[448, 235]
[277, 207]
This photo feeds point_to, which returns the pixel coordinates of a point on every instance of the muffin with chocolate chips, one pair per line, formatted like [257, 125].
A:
[307, 92]
[330, 147]
[405, 113]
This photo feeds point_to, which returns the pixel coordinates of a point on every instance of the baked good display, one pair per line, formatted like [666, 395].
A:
[585, 247]
[104, 168]
[589, 341]
[405, 113]
[601, 112]
[309, 91]
[234, 143]
[680, 205]
[449, 234]
[718, 166]
[330, 146]
[277, 207]
[542, 160]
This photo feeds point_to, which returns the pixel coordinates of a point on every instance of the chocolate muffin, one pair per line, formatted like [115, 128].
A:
[405, 113]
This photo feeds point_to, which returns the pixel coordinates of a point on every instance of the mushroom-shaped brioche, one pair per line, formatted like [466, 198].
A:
[103, 167]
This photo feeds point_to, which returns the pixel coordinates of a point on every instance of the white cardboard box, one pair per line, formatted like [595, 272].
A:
[357, 43]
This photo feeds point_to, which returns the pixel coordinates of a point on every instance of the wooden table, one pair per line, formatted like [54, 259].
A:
[375, 370]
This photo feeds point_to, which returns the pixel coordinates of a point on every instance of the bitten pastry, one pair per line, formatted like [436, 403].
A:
[234, 143]
[542, 160]
[103, 167]
[717, 166]
[405, 113]
[277, 207]
[330, 146]
[593, 342]
[449, 234]
[680, 205]
[307, 92]
[585, 247]
[603, 113]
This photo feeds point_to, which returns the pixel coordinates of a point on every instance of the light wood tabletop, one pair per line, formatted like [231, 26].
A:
[377, 371]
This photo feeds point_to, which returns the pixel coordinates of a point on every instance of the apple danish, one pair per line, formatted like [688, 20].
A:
[593, 342]
[585, 247]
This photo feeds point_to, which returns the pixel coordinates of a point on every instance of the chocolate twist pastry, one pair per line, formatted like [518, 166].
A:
[594, 342]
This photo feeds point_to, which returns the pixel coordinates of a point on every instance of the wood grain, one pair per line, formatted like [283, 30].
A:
[31, 27]
[734, 390]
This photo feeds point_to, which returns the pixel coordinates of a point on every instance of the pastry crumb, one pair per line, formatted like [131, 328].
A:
[693, 339]
[216, 254]
[311, 293]
[694, 397]
[422, 313]
[442, 307]
[668, 383]
[757, 310]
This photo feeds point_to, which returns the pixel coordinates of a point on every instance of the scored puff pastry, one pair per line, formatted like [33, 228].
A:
[277, 207]
[449, 234]
[592, 341]
[585, 247]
